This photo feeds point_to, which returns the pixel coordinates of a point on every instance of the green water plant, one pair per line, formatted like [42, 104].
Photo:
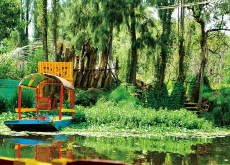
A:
[125, 112]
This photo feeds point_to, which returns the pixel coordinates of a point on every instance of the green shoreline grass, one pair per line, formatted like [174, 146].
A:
[115, 129]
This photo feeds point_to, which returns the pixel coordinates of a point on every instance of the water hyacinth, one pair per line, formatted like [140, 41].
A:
[134, 116]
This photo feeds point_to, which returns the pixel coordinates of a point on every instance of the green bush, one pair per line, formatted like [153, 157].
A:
[217, 114]
[79, 117]
[87, 97]
[158, 98]
[123, 93]
[176, 100]
[3, 104]
[28, 99]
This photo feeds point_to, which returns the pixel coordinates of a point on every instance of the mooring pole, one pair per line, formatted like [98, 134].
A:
[19, 102]
[61, 101]
[72, 100]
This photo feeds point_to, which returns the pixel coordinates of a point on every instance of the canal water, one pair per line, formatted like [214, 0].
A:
[130, 150]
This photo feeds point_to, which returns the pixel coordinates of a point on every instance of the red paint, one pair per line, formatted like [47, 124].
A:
[61, 101]
[19, 151]
[72, 100]
[19, 102]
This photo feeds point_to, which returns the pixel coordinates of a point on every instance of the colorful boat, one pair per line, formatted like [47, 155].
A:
[48, 122]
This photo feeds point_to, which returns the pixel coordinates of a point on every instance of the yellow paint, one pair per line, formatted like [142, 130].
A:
[57, 118]
[31, 81]
[27, 87]
[26, 109]
[68, 110]
[31, 162]
[60, 161]
[24, 161]
[21, 145]
[61, 69]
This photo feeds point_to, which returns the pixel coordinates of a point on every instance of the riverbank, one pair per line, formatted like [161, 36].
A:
[105, 132]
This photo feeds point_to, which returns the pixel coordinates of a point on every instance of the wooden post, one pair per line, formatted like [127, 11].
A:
[59, 149]
[19, 151]
[61, 101]
[19, 102]
[72, 100]
[37, 94]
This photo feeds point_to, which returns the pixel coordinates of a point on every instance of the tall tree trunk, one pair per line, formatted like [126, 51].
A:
[37, 33]
[106, 55]
[203, 46]
[55, 17]
[24, 34]
[133, 57]
[165, 46]
[181, 76]
[45, 26]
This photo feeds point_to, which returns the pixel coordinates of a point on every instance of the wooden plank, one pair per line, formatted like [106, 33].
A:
[68, 110]
[26, 109]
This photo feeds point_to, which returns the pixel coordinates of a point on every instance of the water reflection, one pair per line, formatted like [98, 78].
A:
[131, 150]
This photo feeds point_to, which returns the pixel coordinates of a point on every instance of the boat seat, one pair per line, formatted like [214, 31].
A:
[46, 103]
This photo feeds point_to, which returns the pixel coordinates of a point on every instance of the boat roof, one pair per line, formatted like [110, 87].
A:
[32, 80]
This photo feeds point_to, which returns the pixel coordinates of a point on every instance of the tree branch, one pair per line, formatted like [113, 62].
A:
[219, 29]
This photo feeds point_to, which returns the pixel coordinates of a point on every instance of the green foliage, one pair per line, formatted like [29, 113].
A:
[193, 90]
[9, 71]
[3, 104]
[226, 118]
[28, 99]
[79, 117]
[7, 116]
[124, 146]
[133, 116]
[122, 110]
[177, 97]
[158, 97]
[35, 55]
[9, 17]
[220, 106]
[126, 113]
[217, 114]
[87, 97]
[122, 93]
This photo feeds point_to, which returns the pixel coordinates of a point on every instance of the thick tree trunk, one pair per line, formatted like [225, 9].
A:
[45, 25]
[181, 76]
[133, 57]
[54, 9]
[203, 45]
[106, 55]
[165, 46]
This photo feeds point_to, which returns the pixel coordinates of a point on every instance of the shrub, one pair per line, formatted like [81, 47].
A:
[217, 115]
[158, 98]
[3, 104]
[176, 100]
[79, 117]
[28, 98]
[123, 93]
[87, 97]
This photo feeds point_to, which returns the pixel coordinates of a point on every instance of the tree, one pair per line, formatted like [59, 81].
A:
[54, 28]
[181, 76]
[9, 17]
[44, 30]
[165, 40]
